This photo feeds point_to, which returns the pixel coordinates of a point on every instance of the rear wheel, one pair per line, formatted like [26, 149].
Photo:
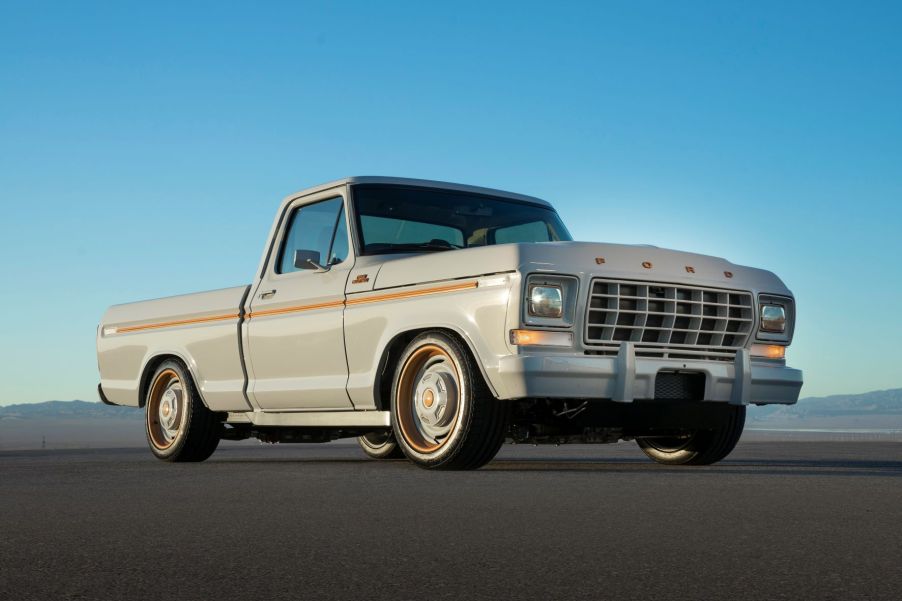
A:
[179, 427]
[380, 445]
[701, 447]
[443, 414]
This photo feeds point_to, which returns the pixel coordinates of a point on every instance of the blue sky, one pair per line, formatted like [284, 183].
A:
[144, 147]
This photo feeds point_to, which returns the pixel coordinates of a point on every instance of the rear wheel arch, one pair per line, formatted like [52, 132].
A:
[178, 426]
[150, 367]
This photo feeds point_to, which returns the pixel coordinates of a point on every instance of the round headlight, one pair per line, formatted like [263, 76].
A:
[773, 318]
[546, 301]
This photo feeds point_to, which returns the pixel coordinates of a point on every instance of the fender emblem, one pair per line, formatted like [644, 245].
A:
[599, 260]
[361, 279]
[646, 264]
[690, 269]
[729, 274]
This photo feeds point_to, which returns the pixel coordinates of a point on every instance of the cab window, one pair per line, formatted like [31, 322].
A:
[316, 227]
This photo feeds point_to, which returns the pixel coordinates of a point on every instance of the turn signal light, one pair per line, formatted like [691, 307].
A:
[769, 351]
[541, 338]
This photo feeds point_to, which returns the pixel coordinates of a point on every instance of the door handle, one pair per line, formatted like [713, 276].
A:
[268, 294]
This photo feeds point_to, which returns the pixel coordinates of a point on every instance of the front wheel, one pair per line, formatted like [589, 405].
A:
[701, 447]
[179, 427]
[443, 414]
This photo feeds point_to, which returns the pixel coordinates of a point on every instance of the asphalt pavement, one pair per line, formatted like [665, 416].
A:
[776, 520]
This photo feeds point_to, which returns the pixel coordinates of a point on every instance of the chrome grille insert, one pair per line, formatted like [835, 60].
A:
[667, 320]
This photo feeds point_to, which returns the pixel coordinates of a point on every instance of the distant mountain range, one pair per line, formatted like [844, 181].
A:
[67, 410]
[881, 409]
[70, 425]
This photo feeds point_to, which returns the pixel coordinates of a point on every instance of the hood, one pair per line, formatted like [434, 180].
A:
[583, 259]
[648, 263]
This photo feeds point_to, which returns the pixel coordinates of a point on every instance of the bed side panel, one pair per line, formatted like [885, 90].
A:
[201, 329]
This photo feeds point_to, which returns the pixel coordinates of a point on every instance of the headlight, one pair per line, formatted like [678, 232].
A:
[546, 301]
[773, 318]
[776, 318]
[549, 300]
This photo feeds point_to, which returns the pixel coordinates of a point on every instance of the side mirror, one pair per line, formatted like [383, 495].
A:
[308, 259]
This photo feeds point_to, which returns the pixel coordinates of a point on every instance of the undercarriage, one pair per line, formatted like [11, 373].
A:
[544, 421]
[552, 421]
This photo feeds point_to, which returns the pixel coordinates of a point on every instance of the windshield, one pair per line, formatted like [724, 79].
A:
[405, 219]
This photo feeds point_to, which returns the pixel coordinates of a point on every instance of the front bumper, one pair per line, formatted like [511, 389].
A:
[625, 377]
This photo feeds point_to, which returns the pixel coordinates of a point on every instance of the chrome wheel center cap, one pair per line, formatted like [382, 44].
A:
[436, 402]
[168, 412]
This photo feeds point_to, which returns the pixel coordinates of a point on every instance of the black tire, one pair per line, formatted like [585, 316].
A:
[380, 445]
[702, 447]
[477, 427]
[195, 434]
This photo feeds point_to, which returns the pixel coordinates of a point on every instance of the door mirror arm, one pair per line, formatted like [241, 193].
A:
[309, 259]
[317, 267]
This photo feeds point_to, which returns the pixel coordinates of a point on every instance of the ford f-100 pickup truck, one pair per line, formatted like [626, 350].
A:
[434, 321]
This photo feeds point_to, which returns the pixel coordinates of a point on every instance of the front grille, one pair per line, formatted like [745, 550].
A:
[662, 320]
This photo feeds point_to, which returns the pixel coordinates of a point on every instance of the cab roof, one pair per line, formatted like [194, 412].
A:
[419, 183]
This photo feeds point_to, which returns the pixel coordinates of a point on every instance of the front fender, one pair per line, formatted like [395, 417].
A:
[478, 315]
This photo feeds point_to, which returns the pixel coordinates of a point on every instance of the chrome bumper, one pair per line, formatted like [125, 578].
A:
[626, 377]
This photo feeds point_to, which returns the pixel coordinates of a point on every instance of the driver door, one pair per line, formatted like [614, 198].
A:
[295, 334]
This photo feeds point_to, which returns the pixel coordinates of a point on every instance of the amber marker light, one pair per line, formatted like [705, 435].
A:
[541, 338]
[769, 351]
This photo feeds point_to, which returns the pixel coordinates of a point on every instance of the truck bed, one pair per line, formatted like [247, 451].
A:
[202, 329]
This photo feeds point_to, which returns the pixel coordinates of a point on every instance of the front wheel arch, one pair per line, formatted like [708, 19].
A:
[472, 435]
[392, 351]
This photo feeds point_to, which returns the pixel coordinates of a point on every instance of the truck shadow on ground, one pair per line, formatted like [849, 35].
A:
[739, 467]
[608, 465]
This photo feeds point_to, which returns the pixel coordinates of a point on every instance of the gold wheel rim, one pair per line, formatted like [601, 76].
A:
[428, 399]
[165, 410]
[671, 444]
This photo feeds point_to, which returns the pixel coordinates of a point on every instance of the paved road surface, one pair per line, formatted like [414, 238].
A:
[779, 520]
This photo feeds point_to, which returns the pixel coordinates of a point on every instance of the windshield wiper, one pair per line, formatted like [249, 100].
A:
[432, 245]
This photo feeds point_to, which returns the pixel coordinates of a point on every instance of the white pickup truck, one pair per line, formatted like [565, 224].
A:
[435, 321]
